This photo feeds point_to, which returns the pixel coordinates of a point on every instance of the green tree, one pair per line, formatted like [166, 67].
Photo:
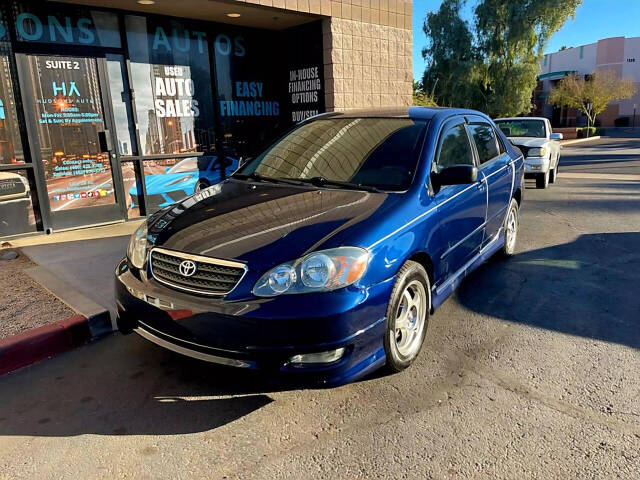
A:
[451, 57]
[492, 65]
[422, 98]
[591, 95]
[511, 36]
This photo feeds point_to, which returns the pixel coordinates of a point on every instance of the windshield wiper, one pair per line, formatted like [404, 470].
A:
[259, 178]
[324, 182]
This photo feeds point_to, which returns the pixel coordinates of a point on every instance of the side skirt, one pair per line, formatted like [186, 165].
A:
[440, 293]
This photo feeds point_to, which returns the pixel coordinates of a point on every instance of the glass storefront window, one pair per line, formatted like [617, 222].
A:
[16, 210]
[10, 143]
[68, 110]
[42, 23]
[170, 75]
[248, 88]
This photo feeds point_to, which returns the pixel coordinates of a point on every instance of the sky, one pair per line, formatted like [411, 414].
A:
[595, 19]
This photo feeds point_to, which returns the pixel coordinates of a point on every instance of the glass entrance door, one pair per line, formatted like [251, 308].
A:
[70, 138]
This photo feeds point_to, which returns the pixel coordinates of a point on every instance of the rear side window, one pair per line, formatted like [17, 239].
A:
[455, 148]
[486, 141]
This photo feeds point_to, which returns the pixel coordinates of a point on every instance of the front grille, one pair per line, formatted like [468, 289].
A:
[212, 276]
[10, 186]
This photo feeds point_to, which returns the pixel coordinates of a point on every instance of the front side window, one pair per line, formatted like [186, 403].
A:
[522, 128]
[486, 142]
[455, 148]
[377, 152]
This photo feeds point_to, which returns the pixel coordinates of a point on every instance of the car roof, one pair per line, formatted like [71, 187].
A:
[417, 113]
[521, 118]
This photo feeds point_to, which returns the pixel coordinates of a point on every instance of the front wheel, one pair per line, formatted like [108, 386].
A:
[407, 316]
[542, 180]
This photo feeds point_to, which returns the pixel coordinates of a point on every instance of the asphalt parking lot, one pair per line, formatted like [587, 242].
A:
[532, 370]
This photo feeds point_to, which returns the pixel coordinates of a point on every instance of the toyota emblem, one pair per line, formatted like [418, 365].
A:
[187, 268]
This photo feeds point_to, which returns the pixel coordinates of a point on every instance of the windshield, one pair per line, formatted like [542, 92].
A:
[522, 128]
[187, 165]
[375, 152]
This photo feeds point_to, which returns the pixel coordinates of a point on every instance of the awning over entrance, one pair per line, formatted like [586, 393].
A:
[235, 13]
[556, 75]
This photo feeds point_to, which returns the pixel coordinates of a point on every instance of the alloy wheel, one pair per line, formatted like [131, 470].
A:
[410, 319]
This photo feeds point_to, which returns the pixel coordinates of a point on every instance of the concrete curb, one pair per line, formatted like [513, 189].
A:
[28, 347]
[579, 140]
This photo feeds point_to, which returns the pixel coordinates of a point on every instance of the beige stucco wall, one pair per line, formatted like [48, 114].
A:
[367, 50]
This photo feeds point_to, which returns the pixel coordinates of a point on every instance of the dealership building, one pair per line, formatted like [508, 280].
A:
[112, 109]
[619, 54]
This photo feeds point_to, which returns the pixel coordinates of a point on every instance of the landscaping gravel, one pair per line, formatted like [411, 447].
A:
[24, 303]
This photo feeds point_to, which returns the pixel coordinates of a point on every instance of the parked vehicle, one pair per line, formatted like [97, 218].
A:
[184, 178]
[15, 203]
[326, 255]
[537, 142]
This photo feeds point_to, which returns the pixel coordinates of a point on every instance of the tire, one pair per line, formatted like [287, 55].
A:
[510, 228]
[553, 177]
[407, 316]
[542, 180]
[201, 185]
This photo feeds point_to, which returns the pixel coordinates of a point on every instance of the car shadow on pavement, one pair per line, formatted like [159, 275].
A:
[124, 385]
[586, 288]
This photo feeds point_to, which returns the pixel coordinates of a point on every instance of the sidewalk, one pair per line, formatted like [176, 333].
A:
[77, 268]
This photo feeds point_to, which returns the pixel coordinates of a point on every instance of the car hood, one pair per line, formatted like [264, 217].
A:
[261, 224]
[528, 141]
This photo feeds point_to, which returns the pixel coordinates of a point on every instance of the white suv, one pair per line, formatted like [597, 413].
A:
[539, 146]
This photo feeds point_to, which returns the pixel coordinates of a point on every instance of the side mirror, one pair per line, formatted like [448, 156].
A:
[556, 136]
[455, 175]
[166, 170]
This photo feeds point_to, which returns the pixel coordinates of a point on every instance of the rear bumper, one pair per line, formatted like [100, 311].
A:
[252, 334]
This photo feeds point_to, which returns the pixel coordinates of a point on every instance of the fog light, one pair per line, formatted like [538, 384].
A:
[319, 357]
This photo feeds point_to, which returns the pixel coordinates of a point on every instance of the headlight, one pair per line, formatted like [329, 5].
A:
[537, 152]
[317, 272]
[137, 250]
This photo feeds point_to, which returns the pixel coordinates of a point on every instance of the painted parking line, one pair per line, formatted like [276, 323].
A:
[600, 176]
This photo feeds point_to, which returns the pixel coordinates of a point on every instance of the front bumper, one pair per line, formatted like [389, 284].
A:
[534, 165]
[262, 333]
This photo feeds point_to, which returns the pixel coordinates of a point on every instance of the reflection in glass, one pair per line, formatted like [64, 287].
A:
[16, 212]
[119, 107]
[168, 181]
[10, 144]
[68, 109]
[131, 190]
[171, 78]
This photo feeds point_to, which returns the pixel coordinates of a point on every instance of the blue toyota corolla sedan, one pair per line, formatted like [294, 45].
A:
[324, 257]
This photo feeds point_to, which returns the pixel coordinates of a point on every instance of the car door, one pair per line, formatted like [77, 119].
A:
[496, 170]
[461, 208]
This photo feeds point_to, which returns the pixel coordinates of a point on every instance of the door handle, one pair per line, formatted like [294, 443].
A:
[481, 184]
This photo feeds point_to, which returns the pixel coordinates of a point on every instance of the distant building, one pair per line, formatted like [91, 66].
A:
[620, 54]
